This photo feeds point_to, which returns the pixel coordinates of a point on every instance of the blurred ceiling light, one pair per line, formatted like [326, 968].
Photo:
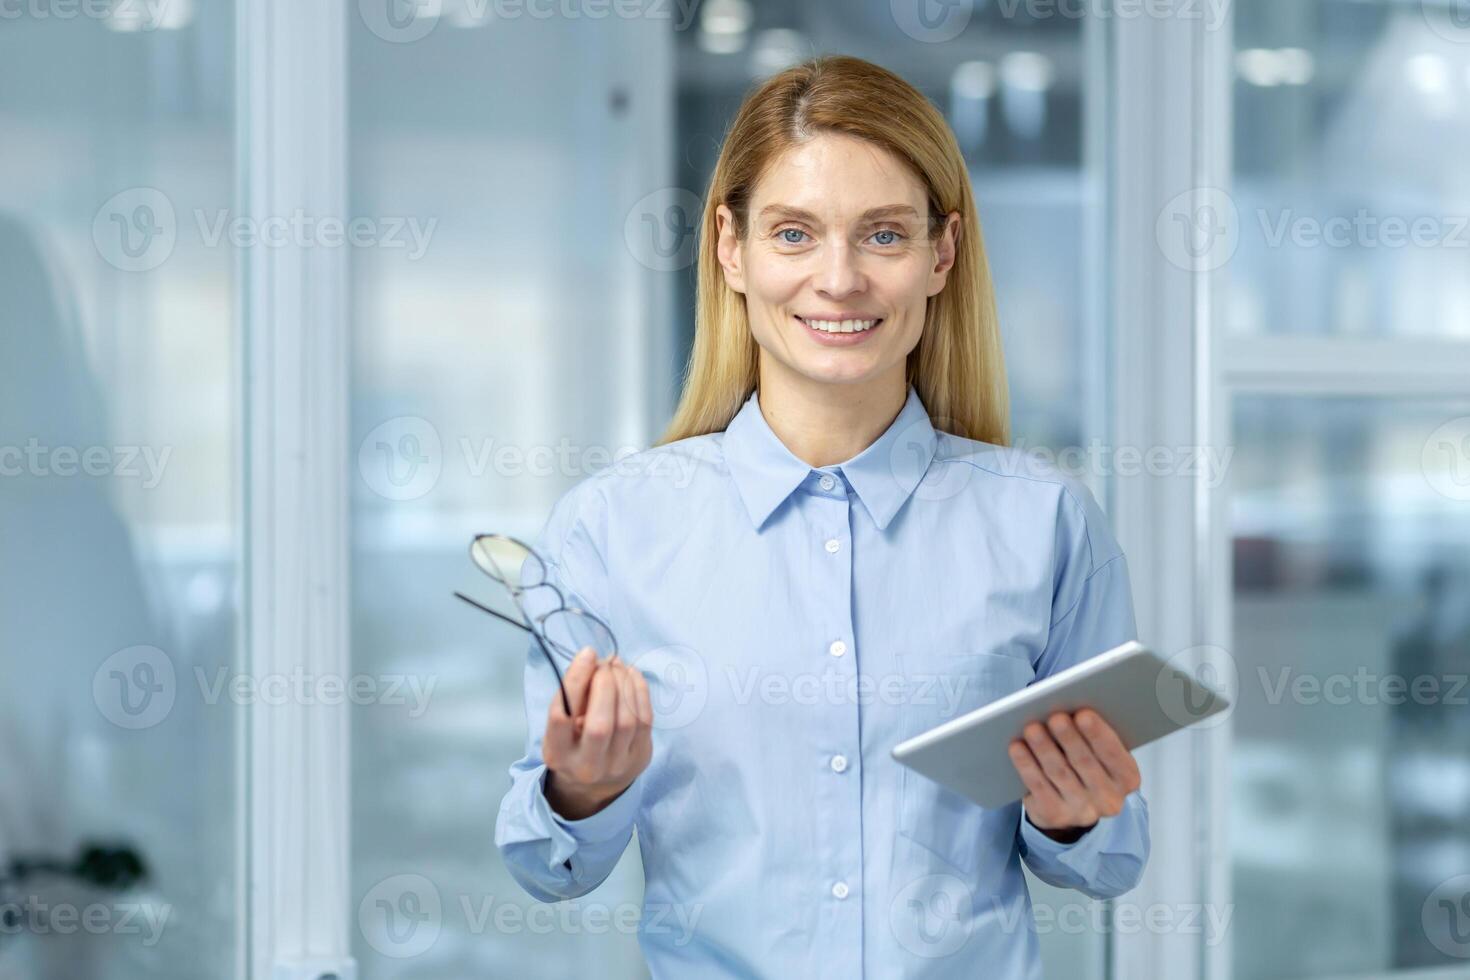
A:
[1429, 74]
[1270, 67]
[1296, 66]
[973, 80]
[724, 26]
[970, 89]
[127, 16]
[776, 50]
[1025, 78]
[1027, 71]
[1257, 66]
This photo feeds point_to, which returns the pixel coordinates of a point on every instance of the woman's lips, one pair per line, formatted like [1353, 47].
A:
[831, 338]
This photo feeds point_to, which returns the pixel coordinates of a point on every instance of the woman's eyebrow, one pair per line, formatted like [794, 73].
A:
[784, 211]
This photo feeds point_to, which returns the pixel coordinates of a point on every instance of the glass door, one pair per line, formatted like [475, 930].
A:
[511, 349]
[120, 541]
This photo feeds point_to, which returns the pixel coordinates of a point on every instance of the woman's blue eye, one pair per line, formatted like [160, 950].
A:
[893, 236]
[786, 232]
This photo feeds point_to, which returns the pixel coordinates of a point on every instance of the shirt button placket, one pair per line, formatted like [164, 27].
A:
[839, 738]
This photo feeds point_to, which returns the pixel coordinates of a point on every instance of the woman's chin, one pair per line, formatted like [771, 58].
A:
[840, 370]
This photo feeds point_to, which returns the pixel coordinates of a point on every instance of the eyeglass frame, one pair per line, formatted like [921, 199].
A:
[530, 624]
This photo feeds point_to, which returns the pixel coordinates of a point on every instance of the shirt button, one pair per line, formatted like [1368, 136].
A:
[839, 890]
[839, 763]
[838, 648]
[828, 483]
[833, 546]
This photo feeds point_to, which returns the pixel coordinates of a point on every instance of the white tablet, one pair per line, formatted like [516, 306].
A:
[1142, 697]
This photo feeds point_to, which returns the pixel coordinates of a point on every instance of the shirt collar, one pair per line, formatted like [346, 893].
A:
[883, 475]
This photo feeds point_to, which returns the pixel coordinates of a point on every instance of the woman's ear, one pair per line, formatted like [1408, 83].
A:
[727, 249]
[945, 248]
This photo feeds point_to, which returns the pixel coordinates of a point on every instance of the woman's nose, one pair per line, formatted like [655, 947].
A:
[838, 274]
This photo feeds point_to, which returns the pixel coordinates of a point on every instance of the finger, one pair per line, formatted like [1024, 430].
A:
[627, 717]
[1107, 796]
[1042, 795]
[561, 730]
[1055, 765]
[559, 738]
[602, 714]
[645, 701]
[1110, 750]
[577, 679]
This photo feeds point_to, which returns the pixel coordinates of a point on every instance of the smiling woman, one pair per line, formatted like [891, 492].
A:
[854, 523]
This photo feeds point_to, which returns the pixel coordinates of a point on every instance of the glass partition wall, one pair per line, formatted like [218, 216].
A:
[1346, 311]
[121, 559]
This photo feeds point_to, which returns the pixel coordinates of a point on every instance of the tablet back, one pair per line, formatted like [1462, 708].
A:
[1141, 696]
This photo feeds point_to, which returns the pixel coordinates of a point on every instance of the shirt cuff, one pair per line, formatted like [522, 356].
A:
[1074, 855]
[604, 825]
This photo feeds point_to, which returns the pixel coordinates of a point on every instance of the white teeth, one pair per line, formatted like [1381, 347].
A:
[840, 326]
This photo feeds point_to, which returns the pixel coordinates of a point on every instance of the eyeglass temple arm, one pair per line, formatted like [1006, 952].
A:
[501, 616]
[567, 704]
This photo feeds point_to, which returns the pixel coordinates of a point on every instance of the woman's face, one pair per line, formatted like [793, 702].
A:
[836, 266]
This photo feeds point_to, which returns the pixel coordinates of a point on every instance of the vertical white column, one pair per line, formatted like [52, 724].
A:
[292, 80]
[1170, 123]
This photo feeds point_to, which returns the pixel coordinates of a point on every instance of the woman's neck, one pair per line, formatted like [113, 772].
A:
[825, 424]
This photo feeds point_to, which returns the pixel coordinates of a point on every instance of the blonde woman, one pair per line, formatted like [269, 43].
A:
[830, 550]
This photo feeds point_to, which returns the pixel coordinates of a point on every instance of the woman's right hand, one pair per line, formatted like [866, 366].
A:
[595, 754]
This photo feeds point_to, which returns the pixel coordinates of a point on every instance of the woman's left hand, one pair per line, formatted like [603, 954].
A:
[1076, 772]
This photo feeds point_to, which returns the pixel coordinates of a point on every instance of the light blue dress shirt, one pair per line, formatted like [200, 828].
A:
[794, 624]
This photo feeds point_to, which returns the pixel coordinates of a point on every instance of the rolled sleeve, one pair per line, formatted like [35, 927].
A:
[1105, 862]
[610, 823]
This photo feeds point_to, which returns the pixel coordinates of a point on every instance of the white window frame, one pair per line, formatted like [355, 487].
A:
[1162, 100]
[291, 144]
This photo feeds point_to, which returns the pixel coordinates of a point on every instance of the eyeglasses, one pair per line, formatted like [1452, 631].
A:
[565, 629]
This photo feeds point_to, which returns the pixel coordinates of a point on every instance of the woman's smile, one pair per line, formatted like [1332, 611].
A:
[844, 330]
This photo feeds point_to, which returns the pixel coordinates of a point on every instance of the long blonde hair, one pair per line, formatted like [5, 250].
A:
[958, 366]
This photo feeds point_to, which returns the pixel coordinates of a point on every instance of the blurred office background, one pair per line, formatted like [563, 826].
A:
[550, 167]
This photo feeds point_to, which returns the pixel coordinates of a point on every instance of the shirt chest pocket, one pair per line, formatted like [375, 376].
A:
[942, 687]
